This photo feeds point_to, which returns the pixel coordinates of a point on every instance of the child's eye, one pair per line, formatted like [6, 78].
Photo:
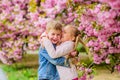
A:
[58, 34]
[53, 34]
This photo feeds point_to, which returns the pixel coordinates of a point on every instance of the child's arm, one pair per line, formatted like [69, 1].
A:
[44, 34]
[58, 61]
[61, 50]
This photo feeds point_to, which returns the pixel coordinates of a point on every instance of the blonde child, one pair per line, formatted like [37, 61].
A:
[69, 36]
[47, 68]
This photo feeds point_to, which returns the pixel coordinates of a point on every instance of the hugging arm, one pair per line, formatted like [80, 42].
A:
[61, 50]
[58, 61]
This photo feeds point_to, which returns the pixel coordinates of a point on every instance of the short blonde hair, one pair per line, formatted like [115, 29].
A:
[55, 25]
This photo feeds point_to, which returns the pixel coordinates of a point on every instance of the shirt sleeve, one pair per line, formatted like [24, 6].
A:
[61, 50]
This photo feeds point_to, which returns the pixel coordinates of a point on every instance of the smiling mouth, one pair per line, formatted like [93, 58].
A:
[54, 40]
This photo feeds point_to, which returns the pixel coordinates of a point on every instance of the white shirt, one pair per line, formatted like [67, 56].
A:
[61, 50]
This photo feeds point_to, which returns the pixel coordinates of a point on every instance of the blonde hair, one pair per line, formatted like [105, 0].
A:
[76, 33]
[55, 25]
[73, 30]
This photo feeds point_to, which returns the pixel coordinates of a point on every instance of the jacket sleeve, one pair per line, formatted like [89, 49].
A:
[61, 50]
[58, 61]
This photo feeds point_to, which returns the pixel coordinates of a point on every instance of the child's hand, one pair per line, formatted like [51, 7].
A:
[73, 53]
[43, 35]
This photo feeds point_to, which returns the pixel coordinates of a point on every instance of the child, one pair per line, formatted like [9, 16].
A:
[47, 69]
[68, 38]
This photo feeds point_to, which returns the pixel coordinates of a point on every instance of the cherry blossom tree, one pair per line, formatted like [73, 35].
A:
[23, 21]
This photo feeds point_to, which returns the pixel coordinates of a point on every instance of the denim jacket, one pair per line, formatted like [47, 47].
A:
[47, 68]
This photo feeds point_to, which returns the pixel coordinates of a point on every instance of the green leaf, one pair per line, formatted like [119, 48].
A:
[80, 48]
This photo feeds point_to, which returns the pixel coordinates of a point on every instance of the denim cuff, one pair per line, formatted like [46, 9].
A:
[67, 63]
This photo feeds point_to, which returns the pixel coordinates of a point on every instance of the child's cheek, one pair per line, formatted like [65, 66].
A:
[59, 39]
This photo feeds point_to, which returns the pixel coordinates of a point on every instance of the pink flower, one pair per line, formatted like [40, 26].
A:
[88, 70]
[81, 68]
[96, 48]
[97, 59]
[84, 77]
[90, 43]
[80, 28]
[107, 61]
[115, 4]
[77, 1]
[62, 4]
[117, 67]
[48, 3]
[70, 14]
[34, 16]
[69, 20]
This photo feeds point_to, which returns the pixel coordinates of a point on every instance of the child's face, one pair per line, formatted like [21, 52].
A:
[54, 36]
[67, 34]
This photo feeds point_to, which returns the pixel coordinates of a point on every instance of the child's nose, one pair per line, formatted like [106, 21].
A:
[55, 36]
